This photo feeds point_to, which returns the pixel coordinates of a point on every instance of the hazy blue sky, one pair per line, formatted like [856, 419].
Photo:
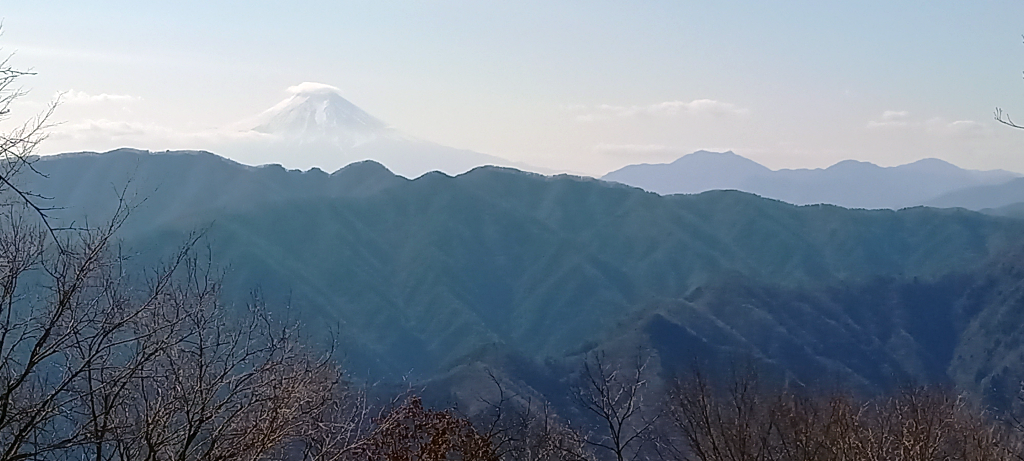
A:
[584, 86]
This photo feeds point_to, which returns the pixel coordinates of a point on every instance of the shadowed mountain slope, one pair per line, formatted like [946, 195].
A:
[181, 186]
[423, 278]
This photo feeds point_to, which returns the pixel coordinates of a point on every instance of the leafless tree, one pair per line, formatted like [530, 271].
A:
[521, 428]
[226, 388]
[620, 400]
[1005, 119]
[65, 316]
[723, 425]
[922, 423]
[342, 428]
[412, 432]
[100, 363]
[91, 366]
[757, 422]
[17, 148]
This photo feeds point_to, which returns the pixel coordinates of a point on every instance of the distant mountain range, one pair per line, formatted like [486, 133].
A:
[438, 278]
[317, 127]
[849, 183]
[997, 198]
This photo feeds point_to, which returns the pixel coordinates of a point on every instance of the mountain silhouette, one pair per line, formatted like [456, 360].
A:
[849, 183]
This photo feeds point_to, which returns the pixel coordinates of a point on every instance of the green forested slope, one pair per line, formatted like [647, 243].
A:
[419, 277]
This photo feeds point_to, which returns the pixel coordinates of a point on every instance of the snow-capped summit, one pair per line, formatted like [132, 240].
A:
[316, 127]
[316, 112]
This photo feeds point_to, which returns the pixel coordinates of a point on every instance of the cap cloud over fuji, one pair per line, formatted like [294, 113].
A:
[315, 126]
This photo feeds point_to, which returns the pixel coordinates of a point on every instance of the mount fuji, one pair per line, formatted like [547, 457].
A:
[316, 127]
[318, 112]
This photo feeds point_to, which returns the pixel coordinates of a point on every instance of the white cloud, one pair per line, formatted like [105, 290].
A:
[312, 88]
[895, 115]
[116, 129]
[667, 108]
[968, 128]
[81, 97]
[103, 128]
[104, 134]
[892, 119]
[697, 106]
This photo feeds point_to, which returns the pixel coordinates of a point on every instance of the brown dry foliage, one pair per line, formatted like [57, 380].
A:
[749, 421]
[412, 432]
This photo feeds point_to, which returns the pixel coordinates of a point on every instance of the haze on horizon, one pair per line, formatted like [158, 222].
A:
[556, 85]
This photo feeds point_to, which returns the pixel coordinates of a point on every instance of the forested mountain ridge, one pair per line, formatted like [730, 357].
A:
[423, 277]
[171, 186]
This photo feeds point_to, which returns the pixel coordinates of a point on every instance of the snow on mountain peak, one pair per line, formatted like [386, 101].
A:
[316, 112]
[315, 126]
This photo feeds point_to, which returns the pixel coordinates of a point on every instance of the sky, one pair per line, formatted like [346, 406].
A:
[586, 87]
